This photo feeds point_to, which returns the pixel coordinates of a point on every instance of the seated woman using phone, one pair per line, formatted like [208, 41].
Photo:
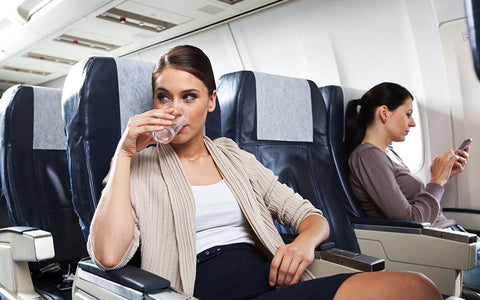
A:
[378, 177]
[201, 210]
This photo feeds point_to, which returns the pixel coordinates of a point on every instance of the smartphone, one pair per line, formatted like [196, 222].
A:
[465, 143]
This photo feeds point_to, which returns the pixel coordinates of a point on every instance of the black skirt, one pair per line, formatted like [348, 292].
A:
[239, 271]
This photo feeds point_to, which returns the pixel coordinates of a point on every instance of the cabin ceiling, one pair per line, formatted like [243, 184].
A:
[39, 50]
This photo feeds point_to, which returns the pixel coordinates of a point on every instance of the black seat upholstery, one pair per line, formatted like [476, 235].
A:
[306, 166]
[35, 176]
[95, 116]
[336, 99]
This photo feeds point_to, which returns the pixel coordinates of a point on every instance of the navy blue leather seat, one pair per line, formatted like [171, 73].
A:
[302, 158]
[34, 174]
[96, 108]
[336, 99]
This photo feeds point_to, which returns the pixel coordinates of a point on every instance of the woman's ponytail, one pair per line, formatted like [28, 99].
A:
[354, 126]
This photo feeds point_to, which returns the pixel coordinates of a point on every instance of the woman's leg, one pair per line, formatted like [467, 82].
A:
[388, 285]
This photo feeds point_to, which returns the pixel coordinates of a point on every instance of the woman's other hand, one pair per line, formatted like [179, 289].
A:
[459, 164]
[290, 261]
[138, 135]
[441, 167]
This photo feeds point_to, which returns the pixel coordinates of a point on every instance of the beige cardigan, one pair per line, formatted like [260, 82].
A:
[164, 208]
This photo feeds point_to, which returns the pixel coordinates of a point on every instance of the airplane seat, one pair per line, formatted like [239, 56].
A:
[100, 94]
[281, 120]
[335, 116]
[405, 245]
[36, 186]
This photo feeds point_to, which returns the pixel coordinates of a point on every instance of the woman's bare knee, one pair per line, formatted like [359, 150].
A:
[388, 285]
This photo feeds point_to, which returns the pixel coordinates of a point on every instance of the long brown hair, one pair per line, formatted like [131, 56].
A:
[357, 120]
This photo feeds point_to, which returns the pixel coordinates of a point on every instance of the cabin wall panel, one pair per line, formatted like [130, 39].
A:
[464, 88]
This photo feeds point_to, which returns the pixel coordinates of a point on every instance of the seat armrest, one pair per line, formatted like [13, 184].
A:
[389, 225]
[458, 236]
[129, 276]
[351, 259]
[390, 222]
[406, 226]
[461, 210]
[28, 243]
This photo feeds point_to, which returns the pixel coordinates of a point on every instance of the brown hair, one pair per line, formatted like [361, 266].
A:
[356, 121]
[189, 59]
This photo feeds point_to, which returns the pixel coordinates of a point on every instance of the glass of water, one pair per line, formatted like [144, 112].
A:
[166, 135]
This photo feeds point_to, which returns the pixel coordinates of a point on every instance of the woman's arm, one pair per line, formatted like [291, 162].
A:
[372, 172]
[113, 226]
[291, 260]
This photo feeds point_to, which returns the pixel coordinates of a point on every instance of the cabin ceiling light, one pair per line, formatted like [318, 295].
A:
[28, 71]
[230, 1]
[50, 58]
[135, 20]
[27, 8]
[85, 42]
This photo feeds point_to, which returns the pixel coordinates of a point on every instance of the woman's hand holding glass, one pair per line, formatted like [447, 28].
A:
[166, 135]
[138, 133]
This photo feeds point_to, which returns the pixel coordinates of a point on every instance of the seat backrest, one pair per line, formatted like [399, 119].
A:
[34, 170]
[282, 121]
[100, 94]
[336, 99]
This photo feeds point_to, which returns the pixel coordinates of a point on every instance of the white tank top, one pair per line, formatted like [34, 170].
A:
[219, 220]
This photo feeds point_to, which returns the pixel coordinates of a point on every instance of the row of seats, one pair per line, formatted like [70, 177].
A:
[46, 177]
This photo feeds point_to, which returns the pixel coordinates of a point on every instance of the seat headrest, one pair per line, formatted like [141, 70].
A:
[22, 113]
[273, 108]
[284, 108]
[337, 98]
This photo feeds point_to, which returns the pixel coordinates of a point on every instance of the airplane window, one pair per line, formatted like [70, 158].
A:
[472, 9]
[412, 150]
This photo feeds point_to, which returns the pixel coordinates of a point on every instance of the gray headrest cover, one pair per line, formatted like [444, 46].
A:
[134, 88]
[48, 131]
[284, 108]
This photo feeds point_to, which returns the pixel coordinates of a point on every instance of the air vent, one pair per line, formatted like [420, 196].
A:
[69, 39]
[135, 20]
[210, 9]
[10, 82]
[28, 71]
[50, 58]
[230, 1]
